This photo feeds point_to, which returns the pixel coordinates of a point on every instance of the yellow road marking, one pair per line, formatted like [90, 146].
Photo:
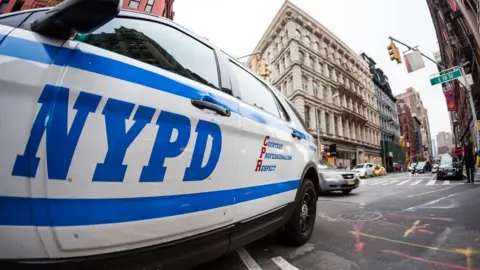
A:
[467, 252]
[414, 227]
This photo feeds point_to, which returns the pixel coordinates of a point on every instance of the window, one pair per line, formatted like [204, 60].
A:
[307, 41]
[298, 35]
[307, 116]
[158, 45]
[297, 114]
[254, 92]
[14, 20]
[327, 122]
[149, 6]
[134, 4]
[33, 17]
[337, 128]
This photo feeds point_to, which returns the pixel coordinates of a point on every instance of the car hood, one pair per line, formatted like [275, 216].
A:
[448, 166]
[334, 170]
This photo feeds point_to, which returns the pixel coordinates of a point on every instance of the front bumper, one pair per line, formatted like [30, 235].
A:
[337, 185]
[458, 173]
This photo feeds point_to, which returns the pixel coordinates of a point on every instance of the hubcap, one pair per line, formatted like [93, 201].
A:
[306, 211]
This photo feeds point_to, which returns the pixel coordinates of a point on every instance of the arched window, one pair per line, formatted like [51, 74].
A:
[315, 46]
[307, 41]
[298, 35]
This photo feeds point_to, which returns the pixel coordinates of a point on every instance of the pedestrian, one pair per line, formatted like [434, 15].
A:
[469, 160]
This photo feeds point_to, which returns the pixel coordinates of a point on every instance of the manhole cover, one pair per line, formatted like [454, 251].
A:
[360, 216]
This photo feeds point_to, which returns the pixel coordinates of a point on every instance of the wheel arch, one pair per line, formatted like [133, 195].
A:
[310, 172]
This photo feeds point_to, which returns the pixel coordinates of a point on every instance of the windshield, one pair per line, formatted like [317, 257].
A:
[421, 164]
[446, 160]
[359, 166]
[324, 165]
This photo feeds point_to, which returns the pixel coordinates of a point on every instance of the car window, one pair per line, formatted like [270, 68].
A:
[254, 92]
[33, 17]
[297, 114]
[324, 165]
[14, 20]
[359, 166]
[158, 45]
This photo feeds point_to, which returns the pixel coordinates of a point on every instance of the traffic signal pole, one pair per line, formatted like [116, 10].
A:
[415, 49]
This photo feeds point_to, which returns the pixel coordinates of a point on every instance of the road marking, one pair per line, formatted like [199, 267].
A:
[434, 202]
[401, 183]
[428, 192]
[391, 182]
[446, 182]
[379, 182]
[414, 227]
[436, 263]
[247, 259]
[283, 264]
[431, 182]
[453, 251]
[416, 182]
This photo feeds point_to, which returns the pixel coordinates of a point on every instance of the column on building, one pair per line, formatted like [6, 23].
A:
[310, 85]
[322, 121]
[297, 78]
[354, 128]
[347, 129]
[320, 89]
[340, 126]
[289, 85]
[313, 118]
[332, 123]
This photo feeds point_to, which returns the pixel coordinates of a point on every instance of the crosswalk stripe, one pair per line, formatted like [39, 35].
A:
[416, 182]
[391, 182]
[401, 183]
[248, 260]
[446, 182]
[283, 264]
[431, 182]
[379, 182]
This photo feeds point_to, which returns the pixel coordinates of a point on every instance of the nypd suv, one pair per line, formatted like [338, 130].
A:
[127, 140]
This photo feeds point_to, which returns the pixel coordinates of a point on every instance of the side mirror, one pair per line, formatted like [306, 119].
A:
[80, 16]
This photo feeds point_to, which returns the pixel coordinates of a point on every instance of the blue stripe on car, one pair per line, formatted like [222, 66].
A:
[20, 211]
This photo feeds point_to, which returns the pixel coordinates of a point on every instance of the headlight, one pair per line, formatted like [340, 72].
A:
[331, 176]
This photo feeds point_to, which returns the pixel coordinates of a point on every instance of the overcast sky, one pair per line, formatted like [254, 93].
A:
[236, 26]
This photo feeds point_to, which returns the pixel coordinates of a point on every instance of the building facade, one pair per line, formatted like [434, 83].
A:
[417, 131]
[329, 84]
[162, 8]
[407, 128]
[457, 29]
[414, 102]
[445, 140]
[434, 149]
[391, 152]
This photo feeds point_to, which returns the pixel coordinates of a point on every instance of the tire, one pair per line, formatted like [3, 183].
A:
[300, 226]
[365, 176]
[347, 191]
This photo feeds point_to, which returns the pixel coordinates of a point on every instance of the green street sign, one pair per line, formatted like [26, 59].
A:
[452, 75]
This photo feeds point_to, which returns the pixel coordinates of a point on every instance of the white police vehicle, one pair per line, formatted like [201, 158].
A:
[127, 140]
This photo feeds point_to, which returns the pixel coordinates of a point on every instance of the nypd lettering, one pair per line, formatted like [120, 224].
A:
[61, 141]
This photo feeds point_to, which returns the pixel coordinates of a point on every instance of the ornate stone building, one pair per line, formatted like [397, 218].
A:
[329, 84]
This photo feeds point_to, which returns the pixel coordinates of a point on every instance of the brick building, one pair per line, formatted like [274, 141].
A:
[162, 8]
[407, 127]
[457, 26]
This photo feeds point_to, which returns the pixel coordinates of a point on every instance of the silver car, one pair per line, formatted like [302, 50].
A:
[334, 179]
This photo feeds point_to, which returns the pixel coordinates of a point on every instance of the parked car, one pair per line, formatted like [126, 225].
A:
[421, 167]
[127, 140]
[435, 168]
[364, 170]
[336, 179]
[450, 168]
[411, 167]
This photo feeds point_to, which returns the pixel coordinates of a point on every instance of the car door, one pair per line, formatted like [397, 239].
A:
[26, 64]
[153, 146]
[370, 169]
[270, 157]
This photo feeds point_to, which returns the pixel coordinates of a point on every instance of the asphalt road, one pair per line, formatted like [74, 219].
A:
[398, 221]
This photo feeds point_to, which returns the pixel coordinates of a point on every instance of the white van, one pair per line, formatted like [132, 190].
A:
[127, 140]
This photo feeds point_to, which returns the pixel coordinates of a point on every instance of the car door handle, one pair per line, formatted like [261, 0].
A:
[295, 135]
[202, 104]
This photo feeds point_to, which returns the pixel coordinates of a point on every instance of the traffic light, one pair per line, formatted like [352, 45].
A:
[394, 53]
[264, 70]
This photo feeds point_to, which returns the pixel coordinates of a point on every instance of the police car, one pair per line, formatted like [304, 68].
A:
[127, 140]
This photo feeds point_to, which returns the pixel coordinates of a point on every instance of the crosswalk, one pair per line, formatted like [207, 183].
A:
[412, 180]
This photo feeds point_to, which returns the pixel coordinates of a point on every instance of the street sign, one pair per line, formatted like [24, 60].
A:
[450, 76]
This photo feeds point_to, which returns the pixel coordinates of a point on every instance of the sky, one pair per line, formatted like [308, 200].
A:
[236, 27]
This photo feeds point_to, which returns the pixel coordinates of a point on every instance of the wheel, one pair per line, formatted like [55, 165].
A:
[300, 226]
[347, 191]
[365, 176]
